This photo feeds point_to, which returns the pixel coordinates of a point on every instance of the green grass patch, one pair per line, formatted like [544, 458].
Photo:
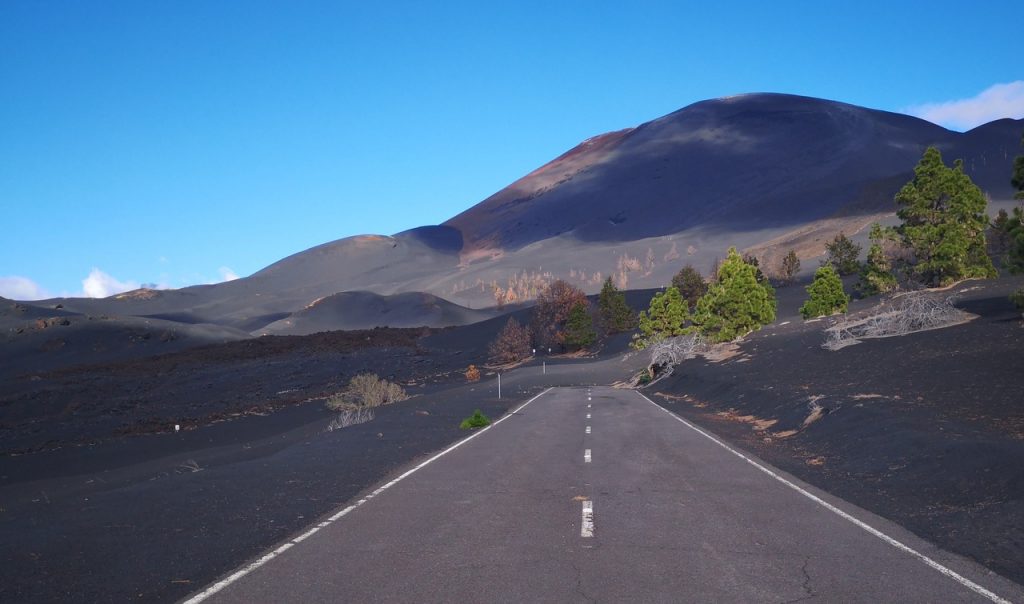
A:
[477, 420]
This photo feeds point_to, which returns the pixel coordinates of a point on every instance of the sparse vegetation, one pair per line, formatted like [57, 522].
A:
[670, 352]
[842, 254]
[511, 345]
[615, 314]
[579, 327]
[666, 317]
[472, 374]
[736, 303]
[550, 314]
[944, 222]
[477, 420]
[876, 275]
[790, 267]
[691, 284]
[901, 315]
[365, 391]
[826, 295]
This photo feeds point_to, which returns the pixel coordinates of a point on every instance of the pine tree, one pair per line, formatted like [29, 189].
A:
[736, 303]
[579, 328]
[666, 318]
[944, 222]
[753, 261]
[843, 254]
[826, 294]
[616, 315]
[876, 276]
[790, 266]
[690, 283]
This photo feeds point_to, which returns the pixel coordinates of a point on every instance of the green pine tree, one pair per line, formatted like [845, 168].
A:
[843, 254]
[826, 295]
[876, 276]
[944, 222]
[690, 283]
[579, 328]
[615, 314]
[667, 317]
[736, 303]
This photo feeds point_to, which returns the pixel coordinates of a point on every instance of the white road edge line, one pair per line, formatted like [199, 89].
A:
[586, 456]
[978, 589]
[245, 570]
[587, 522]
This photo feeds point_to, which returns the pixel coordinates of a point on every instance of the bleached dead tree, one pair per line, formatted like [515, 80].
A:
[667, 353]
[900, 315]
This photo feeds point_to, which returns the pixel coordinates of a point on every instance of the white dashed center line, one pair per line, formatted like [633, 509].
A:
[588, 429]
[587, 525]
[586, 456]
[588, 416]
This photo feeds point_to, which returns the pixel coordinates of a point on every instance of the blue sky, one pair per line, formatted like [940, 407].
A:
[182, 142]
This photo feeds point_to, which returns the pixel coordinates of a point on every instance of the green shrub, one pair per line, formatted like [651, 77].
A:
[477, 420]
[666, 317]
[826, 294]
[645, 377]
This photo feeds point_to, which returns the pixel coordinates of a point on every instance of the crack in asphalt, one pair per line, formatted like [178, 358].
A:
[579, 583]
[806, 585]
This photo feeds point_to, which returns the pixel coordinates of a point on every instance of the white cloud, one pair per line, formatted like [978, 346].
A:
[226, 274]
[101, 285]
[22, 288]
[995, 102]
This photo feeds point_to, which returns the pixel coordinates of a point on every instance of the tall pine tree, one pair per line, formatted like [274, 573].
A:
[944, 222]
[615, 314]
[736, 303]
[579, 327]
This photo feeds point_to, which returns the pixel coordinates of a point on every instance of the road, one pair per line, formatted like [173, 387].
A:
[599, 495]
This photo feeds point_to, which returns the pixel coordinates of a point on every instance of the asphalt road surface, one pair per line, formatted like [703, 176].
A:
[599, 495]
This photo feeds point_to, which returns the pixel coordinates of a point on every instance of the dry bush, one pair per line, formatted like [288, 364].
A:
[366, 390]
[900, 315]
[512, 343]
[350, 417]
[550, 314]
[667, 353]
[472, 374]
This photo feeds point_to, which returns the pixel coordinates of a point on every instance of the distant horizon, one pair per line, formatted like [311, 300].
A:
[176, 146]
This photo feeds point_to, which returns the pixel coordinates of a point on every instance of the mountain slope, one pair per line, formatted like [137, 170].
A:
[762, 172]
[737, 163]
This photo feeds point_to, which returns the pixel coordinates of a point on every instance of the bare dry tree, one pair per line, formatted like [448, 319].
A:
[900, 315]
[668, 353]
